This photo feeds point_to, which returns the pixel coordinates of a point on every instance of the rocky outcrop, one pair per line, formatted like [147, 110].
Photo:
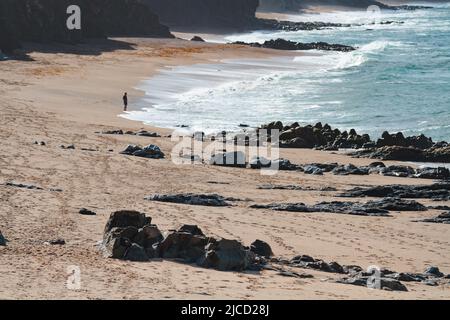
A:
[233, 14]
[129, 235]
[400, 153]
[45, 21]
[379, 208]
[282, 44]
[317, 136]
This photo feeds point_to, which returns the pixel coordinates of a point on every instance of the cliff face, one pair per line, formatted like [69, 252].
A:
[45, 21]
[205, 13]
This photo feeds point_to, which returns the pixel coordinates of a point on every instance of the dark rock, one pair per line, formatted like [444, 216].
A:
[117, 241]
[440, 173]
[302, 258]
[400, 153]
[151, 152]
[197, 39]
[353, 208]
[284, 165]
[57, 242]
[23, 186]
[398, 139]
[261, 248]
[442, 218]
[365, 281]
[229, 159]
[192, 229]
[395, 204]
[144, 133]
[150, 236]
[212, 200]
[350, 169]
[135, 253]
[437, 191]
[406, 277]
[434, 272]
[282, 44]
[118, 131]
[126, 218]
[183, 245]
[292, 274]
[225, 255]
[314, 170]
[86, 212]
[2, 240]
[259, 162]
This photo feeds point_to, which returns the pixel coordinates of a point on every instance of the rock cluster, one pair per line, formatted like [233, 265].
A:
[282, 44]
[379, 208]
[272, 24]
[130, 235]
[440, 173]
[437, 191]
[318, 136]
[141, 133]
[151, 151]
[355, 275]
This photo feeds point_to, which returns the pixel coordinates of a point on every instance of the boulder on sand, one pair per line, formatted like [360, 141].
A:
[225, 255]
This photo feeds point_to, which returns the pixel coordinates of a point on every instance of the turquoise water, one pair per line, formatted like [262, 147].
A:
[397, 80]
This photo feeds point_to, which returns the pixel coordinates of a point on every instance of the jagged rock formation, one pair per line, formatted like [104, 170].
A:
[45, 21]
[233, 14]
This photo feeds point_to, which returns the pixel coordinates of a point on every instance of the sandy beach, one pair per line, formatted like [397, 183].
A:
[67, 98]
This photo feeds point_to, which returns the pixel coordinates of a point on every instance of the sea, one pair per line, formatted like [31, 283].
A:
[398, 79]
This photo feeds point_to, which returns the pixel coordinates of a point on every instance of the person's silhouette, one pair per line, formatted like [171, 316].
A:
[125, 101]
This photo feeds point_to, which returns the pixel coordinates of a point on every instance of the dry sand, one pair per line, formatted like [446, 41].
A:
[65, 98]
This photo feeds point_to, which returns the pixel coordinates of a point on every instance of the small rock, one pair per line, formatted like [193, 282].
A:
[86, 212]
[2, 240]
[59, 242]
[197, 39]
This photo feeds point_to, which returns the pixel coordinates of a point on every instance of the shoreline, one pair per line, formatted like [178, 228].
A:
[65, 98]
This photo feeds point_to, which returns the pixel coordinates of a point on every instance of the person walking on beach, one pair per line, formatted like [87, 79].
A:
[125, 101]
